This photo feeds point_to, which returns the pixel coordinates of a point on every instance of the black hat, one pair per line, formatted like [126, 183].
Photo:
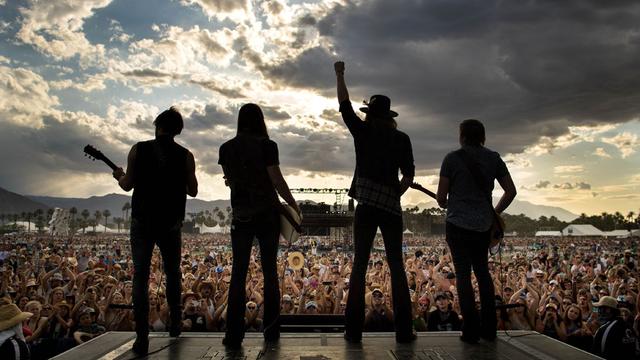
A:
[379, 105]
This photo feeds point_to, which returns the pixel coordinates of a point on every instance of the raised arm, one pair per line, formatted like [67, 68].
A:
[343, 94]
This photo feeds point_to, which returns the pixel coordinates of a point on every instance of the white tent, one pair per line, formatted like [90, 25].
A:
[617, 233]
[582, 230]
[408, 232]
[28, 225]
[100, 228]
[548, 233]
[210, 230]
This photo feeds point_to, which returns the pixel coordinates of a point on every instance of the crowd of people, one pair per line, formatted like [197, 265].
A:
[71, 284]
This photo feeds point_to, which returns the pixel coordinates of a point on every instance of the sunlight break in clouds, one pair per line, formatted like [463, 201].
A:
[626, 142]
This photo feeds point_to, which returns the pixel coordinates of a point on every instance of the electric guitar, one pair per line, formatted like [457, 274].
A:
[497, 227]
[95, 154]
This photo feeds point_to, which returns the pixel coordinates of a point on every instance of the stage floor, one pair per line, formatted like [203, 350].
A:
[325, 346]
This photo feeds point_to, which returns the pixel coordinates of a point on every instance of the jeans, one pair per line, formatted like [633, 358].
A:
[366, 222]
[266, 228]
[469, 249]
[144, 236]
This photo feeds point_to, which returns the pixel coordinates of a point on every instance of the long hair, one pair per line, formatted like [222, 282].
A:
[381, 123]
[578, 320]
[251, 121]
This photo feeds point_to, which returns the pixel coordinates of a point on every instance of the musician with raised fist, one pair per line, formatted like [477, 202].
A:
[466, 182]
[381, 152]
[161, 174]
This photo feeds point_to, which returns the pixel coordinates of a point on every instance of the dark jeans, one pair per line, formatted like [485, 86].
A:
[366, 222]
[143, 238]
[469, 249]
[266, 228]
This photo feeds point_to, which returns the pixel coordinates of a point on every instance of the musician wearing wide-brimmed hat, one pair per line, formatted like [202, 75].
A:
[12, 342]
[381, 152]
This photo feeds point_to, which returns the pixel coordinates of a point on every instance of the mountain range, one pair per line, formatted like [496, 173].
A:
[517, 207]
[11, 203]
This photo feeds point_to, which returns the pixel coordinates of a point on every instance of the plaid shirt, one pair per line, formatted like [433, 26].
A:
[384, 197]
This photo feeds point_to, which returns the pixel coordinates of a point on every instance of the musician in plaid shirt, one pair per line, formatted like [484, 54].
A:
[381, 151]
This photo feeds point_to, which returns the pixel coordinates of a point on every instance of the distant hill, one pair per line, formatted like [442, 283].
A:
[533, 211]
[115, 202]
[12, 203]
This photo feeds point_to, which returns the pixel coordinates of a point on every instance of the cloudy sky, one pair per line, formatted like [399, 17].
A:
[557, 84]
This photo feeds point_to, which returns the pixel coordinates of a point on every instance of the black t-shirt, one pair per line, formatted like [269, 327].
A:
[160, 178]
[245, 159]
[439, 321]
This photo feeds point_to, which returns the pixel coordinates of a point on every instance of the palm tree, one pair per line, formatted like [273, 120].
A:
[40, 222]
[221, 217]
[39, 214]
[81, 223]
[125, 210]
[85, 215]
[118, 222]
[618, 219]
[106, 214]
[97, 215]
[93, 223]
[73, 226]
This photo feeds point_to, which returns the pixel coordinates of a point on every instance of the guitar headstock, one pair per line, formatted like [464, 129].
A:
[93, 153]
[416, 186]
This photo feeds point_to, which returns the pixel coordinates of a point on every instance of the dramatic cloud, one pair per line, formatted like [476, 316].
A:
[55, 29]
[24, 97]
[555, 83]
[626, 142]
[221, 9]
[529, 72]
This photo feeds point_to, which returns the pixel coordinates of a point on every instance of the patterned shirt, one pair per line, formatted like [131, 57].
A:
[368, 192]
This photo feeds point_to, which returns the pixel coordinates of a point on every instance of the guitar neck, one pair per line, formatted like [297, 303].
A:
[110, 163]
[428, 192]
